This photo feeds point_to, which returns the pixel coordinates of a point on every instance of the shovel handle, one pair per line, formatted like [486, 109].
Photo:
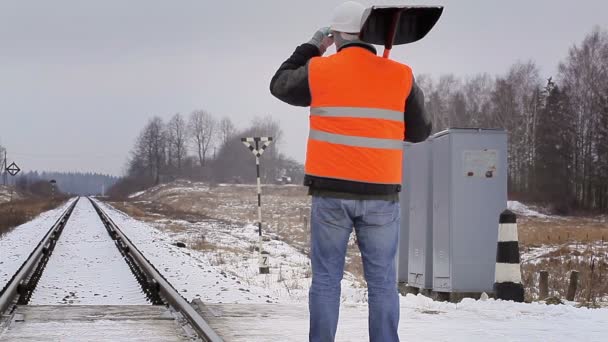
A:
[390, 34]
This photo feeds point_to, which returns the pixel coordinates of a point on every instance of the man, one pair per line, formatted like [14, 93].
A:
[362, 108]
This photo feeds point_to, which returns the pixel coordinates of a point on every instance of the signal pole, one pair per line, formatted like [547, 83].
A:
[53, 186]
[257, 152]
[4, 168]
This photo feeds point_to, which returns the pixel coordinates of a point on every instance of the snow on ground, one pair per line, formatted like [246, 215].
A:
[422, 319]
[226, 268]
[6, 193]
[176, 188]
[136, 194]
[425, 320]
[522, 209]
[86, 267]
[17, 245]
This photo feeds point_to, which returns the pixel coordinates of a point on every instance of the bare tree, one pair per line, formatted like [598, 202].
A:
[3, 163]
[227, 130]
[176, 140]
[584, 76]
[439, 98]
[148, 156]
[234, 161]
[2, 151]
[268, 127]
[202, 126]
[477, 91]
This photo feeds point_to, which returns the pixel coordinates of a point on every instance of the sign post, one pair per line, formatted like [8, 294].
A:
[12, 170]
[3, 169]
[53, 185]
[257, 145]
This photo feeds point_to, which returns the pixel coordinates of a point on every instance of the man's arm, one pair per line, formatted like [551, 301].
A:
[418, 125]
[290, 82]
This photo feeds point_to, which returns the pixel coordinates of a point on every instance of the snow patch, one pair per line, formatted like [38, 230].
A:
[137, 194]
[6, 193]
[522, 209]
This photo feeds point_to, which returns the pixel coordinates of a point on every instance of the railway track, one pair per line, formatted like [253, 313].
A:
[168, 316]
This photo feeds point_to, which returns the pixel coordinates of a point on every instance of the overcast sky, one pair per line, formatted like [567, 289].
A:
[79, 79]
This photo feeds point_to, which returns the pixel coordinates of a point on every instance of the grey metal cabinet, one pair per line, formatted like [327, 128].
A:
[417, 215]
[469, 192]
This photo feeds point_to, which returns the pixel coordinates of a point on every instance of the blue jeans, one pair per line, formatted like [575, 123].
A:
[376, 224]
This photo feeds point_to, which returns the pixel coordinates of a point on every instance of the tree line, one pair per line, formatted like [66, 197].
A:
[558, 126]
[74, 183]
[558, 131]
[202, 147]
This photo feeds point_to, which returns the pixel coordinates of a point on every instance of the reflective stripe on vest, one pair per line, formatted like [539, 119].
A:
[348, 140]
[357, 112]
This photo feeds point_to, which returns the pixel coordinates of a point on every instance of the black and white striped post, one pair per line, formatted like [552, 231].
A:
[507, 281]
[257, 145]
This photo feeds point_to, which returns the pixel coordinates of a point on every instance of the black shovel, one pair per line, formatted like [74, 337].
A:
[397, 25]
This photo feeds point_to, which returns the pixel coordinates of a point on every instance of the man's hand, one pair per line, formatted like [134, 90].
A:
[322, 39]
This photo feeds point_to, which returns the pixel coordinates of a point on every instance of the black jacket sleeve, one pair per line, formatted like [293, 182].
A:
[290, 82]
[418, 125]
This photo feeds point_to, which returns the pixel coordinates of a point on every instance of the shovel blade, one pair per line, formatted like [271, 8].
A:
[414, 24]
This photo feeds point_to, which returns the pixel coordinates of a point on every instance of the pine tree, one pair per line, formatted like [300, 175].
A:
[554, 148]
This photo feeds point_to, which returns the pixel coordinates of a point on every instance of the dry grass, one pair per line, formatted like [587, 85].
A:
[574, 243]
[591, 264]
[130, 209]
[535, 232]
[202, 244]
[286, 213]
[21, 211]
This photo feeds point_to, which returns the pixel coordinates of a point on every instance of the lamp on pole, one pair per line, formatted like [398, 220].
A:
[53, 185]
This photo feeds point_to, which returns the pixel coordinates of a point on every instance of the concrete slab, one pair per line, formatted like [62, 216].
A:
[95, 323]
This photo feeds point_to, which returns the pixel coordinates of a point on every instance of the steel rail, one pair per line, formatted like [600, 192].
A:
[166, 290]
[16, 286]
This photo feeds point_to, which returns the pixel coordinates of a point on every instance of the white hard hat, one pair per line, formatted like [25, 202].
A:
[347, 17]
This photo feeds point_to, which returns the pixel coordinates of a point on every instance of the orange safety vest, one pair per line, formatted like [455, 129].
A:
[357, 125]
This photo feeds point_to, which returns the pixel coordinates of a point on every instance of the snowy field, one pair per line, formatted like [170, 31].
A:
[190, 272]
[17, 245]
[86, 268]
[219, 265]
[226, 272]
[422, 319]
